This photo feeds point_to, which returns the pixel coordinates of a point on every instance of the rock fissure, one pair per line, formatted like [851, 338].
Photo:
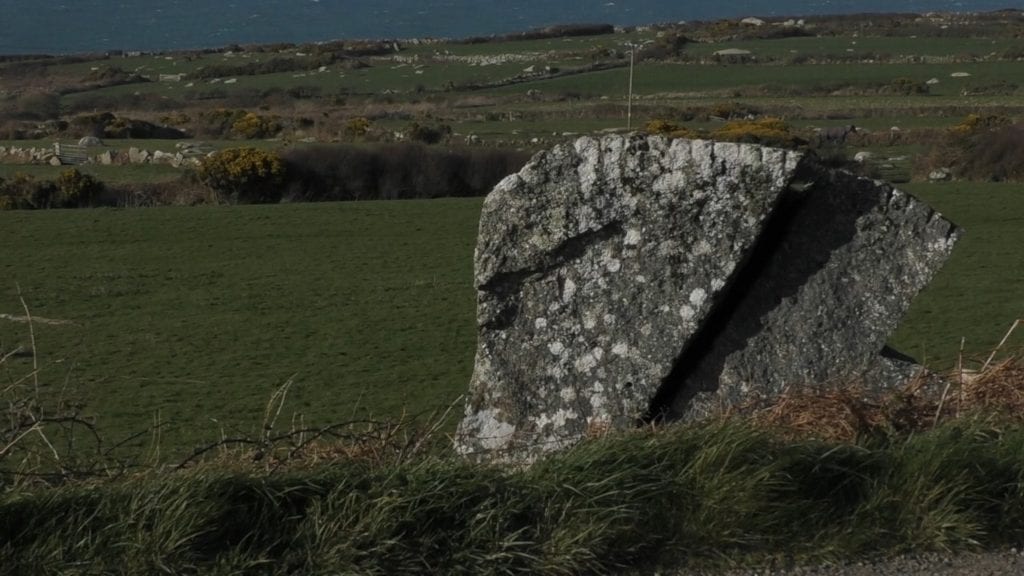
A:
[567, 251]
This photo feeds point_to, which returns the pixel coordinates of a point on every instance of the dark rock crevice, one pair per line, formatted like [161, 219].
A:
[511, 282]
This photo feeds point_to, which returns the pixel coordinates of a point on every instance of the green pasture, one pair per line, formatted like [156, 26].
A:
[977, 296]
[653, 78]
[863, 46]
[199, 314]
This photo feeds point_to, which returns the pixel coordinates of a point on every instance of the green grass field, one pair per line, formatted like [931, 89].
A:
[201, 313]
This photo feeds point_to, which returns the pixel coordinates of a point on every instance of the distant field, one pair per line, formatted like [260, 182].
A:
[201, 313]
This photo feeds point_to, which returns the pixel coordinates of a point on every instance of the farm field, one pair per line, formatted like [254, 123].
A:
[200, 314]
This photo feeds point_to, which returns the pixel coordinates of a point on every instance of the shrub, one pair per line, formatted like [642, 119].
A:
[905, 87]
[37, 106]
[24, 192]
[428, 134]
[976, 123]
[669, 129]
[993, 155]
[244, 175]
[987, 148]
[252, 126]
[218, 122]
[357, 127]
[77, 190]
[768, 131]
[395, 171]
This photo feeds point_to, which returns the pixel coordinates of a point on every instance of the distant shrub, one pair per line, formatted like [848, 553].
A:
[670, 45]
[428, 134]
[768, 131]
[216, 123]
[669, 129]
[24, 192]
[984, 148]
[997, 155]
[244, 175]
[730, 110]
[394, 171]
[357, 127]
[77, 190]
[252, 126]
[33, 106]
[976, 123]
[72, 189]
[905, 87]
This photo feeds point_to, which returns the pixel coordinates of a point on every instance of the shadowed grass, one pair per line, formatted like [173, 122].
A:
[718, 494]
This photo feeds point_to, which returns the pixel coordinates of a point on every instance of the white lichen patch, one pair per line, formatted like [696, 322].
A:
[597, 353]
[640, 279]
[717, 284]
[556, 348]
[613, 265]
[540, 323]
[686, 313]
[609, 320]
[567, 394]
[568, 290]
[698, 296]
[490, 432]
[589, 322]
[701, 248]
[620, 349]
[632, 238]
[585, 363]
[557, 420]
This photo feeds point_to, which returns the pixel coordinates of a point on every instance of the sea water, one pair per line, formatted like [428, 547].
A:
[31, 26]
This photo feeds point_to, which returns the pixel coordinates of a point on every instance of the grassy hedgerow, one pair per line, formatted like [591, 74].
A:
[722, 493]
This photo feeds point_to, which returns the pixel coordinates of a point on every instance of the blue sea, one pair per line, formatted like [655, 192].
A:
[34, 26]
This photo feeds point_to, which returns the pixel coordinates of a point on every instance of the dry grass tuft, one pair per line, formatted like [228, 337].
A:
[846, 413]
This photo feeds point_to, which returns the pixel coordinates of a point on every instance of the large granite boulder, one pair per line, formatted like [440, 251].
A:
[626, 278]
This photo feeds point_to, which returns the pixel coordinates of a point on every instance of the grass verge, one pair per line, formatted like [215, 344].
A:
[795, 483]
[720, 494]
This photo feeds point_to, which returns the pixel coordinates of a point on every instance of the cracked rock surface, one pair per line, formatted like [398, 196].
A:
[625, 277]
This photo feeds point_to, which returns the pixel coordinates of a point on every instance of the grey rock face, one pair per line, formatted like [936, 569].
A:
[595, 265]
[834, 272]
[623, 279]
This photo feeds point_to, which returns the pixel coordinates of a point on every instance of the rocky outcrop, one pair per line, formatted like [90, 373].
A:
[623, 279]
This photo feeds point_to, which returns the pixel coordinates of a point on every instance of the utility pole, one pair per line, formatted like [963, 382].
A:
[633, 46]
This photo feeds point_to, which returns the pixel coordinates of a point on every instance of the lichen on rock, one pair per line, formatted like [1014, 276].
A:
[621, 279]
[595, 265]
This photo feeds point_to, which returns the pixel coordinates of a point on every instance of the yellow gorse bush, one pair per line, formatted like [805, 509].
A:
[245, 175]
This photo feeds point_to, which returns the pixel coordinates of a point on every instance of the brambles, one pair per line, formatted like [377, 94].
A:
[244, 175]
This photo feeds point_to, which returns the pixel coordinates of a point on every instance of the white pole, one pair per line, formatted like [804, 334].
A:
[629, 101]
